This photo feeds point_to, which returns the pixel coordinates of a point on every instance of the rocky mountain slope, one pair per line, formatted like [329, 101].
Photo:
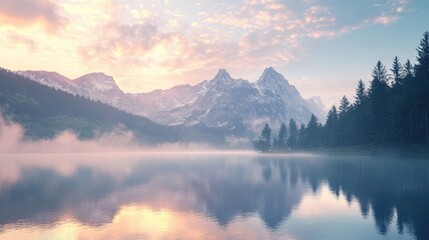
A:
[223, 102]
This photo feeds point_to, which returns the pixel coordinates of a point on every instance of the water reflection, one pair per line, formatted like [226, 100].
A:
[212, 196]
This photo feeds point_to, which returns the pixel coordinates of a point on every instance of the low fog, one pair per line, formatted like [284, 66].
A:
[13, 140]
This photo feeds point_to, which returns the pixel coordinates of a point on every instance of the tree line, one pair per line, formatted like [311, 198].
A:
[393, 110]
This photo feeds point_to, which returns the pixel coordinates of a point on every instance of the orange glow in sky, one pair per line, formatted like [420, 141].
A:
[146, 45]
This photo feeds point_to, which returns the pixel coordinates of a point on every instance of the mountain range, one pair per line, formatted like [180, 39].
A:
[44, 112]
[235, 105]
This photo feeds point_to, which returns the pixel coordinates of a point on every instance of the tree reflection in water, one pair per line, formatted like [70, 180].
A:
[393, 191]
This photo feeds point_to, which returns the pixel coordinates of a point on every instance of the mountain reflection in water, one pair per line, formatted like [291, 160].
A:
[212, 196]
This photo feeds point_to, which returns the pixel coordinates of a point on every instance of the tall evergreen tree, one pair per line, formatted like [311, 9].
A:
[396, 72]
[344, 121]
[301, 137]
[396, 129]
[422, 78]
[361, 93]
[282, 137]
[331, 127]
[293, 134]
[407, 70]
[361, 116]
[422, 66]
[344, 105]
[379, 100]
[408, 105]
[312, 132]
[379, 72]
[266, 138]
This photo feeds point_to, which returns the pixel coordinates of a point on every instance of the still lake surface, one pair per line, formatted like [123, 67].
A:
[212, 196]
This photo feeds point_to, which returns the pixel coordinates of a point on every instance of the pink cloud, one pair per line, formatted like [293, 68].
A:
[29, 12]
[162, 48]
[386, 20]
[13, 39]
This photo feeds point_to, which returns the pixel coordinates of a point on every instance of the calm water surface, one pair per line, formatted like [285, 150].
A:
[218, 196]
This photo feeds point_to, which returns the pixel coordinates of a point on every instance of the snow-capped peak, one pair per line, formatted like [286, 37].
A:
[99, 81]
[271, 79]
[52, 79]
[317, 102]
[270, 69]
[223, 78]
[46, 74]
[222, 73]
[221, 102]
[98, 76]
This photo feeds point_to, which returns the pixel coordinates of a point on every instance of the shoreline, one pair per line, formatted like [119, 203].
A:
[412, 151]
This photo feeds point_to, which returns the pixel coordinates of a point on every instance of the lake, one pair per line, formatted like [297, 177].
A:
[212, 196]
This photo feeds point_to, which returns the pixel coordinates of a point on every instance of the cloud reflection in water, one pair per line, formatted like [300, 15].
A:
[220, 196]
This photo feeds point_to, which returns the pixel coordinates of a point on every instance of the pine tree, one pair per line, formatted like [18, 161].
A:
[331, 127]
[344, 121]
[422, 66]
[361, 116]
[408, 70]
[266, 138]
[281, 138]
[422, 77]
[293, 134]
[379, 100]
[408, 105]
[396, 72]
[302, 141]
[312, 132]
[379, 72]
[361, 94]
[344, 105]
[395, 108]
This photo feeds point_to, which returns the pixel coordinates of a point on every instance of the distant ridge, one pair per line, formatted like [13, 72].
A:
[222, 102]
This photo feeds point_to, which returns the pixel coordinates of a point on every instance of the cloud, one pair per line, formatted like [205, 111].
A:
[161, 46]
[319, 17]
[30, 12]
[160, 52]
[399, 5]
[13, 39]
[385, 20]
[138, 46]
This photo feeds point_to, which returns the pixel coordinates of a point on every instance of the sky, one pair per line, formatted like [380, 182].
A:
[323, 47]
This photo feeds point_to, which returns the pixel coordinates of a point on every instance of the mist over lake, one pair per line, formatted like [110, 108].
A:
[211, 196]
[195, 120]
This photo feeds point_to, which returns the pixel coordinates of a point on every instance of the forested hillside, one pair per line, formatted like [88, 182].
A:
[45, 112]
[392, 111]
